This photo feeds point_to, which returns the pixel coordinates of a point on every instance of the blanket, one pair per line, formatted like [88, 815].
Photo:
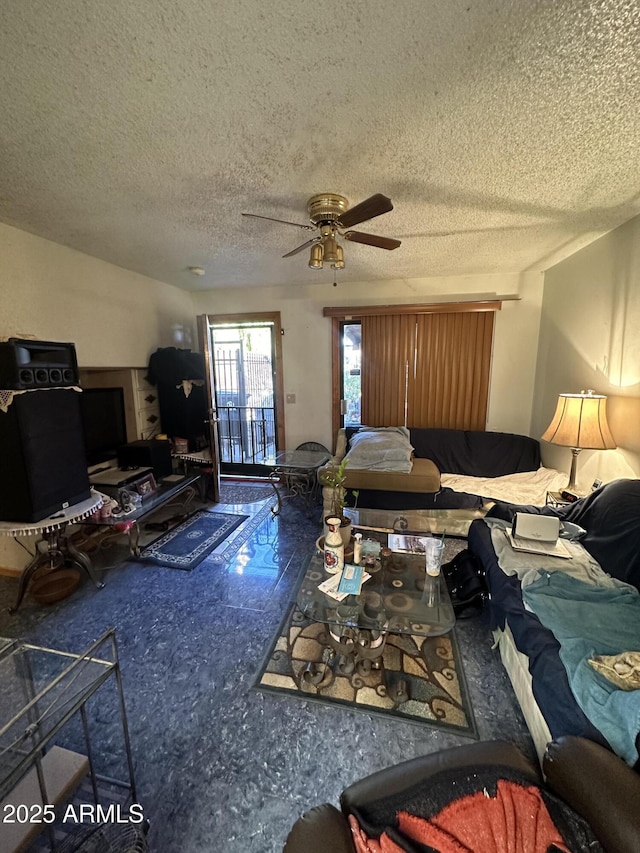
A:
[520, 563]
[528, 487]
[516, 820]
[586, 621]
[483, 809]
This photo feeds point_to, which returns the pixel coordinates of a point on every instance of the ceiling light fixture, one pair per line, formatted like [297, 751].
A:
[196, 270]
[315, 258]
[330, 253]
[326, 250]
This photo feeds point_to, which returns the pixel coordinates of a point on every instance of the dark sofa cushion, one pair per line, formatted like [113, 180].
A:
[611, 517]
[442, 499]
[474, 453]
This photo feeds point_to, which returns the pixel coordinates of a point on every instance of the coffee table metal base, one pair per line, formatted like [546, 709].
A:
[356, 652]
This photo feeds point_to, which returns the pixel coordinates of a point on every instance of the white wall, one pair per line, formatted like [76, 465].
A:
[307, 339]
[590, 338]
[115, 317]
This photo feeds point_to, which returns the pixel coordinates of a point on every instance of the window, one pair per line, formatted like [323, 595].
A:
[350, 388]
[417, 365]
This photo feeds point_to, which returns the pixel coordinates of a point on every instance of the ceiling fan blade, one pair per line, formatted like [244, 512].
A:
[282, 221]
[367, 209]
[372, 240]
[302, 247]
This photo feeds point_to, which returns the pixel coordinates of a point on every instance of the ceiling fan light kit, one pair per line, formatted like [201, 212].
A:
[315, 260]
[330, 214]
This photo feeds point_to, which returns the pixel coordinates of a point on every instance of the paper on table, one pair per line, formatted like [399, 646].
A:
[407, 544]
[351, 579]
[330, 586]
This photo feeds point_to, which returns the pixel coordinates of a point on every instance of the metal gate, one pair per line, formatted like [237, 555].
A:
[245, 404]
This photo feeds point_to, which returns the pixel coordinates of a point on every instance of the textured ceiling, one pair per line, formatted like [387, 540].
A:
[505, 131]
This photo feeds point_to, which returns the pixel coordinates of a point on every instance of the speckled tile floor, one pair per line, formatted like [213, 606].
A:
[219, 765]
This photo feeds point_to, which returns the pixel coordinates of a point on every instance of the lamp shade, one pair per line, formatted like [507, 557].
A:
[580, 421]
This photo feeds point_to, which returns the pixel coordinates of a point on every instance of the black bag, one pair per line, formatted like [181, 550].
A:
[464, 576]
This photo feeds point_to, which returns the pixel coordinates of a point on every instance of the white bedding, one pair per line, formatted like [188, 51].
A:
[529, 487]
[381, 449]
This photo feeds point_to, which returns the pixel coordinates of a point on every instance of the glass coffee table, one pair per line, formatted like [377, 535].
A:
[398, 598]
[450, 522]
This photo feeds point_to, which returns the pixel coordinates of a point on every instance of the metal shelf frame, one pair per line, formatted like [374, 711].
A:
[42, 689]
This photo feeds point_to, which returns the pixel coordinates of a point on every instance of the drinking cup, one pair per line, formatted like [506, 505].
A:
[433, 555]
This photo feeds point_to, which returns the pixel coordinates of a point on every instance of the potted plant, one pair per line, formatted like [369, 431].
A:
[334, 478]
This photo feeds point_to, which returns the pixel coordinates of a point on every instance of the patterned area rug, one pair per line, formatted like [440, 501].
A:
[425, 675]
[241, 493]
[190, 542]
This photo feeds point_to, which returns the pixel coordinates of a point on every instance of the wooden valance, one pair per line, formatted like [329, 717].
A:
[357, 311]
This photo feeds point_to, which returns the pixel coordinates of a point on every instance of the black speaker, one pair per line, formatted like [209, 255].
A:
[43, 467]
[26, 364]
[154, 453]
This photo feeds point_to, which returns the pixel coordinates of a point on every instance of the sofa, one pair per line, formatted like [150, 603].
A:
[482, 458]
[565, 628]
[589, 792]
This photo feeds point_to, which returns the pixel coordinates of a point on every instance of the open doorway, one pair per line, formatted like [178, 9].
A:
[247, 365]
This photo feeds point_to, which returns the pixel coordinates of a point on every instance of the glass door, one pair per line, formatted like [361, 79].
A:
[248, 397]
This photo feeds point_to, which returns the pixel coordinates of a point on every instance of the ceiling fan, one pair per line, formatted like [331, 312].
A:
[330, 215]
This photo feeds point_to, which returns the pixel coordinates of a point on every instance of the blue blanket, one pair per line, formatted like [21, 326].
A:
[587, 621]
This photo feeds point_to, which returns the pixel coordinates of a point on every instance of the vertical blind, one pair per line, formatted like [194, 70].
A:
[427, 370]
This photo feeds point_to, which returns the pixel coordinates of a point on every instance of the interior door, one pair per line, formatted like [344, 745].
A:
[204, 339]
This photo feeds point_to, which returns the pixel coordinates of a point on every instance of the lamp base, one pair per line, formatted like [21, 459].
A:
[574, 467]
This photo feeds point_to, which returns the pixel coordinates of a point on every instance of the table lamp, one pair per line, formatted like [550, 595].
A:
[580, 422]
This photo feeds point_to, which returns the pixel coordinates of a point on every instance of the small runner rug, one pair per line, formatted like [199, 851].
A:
[245, 493]
[190, 542]
[431, 668]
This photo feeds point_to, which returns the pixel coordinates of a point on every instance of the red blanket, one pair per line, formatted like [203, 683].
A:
[516, 820]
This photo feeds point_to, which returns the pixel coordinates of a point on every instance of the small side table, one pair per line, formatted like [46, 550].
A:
[60, 550]
[298, 470]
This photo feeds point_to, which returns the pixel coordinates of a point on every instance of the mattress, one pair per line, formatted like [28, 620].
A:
[517, 666]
